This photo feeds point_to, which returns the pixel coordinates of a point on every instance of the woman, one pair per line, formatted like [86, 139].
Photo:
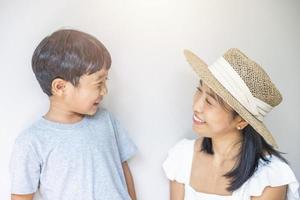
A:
[234, 157]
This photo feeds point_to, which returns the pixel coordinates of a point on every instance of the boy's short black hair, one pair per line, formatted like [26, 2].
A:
[68, 54]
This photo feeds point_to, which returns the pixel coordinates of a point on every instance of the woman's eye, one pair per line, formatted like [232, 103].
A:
[208, 102]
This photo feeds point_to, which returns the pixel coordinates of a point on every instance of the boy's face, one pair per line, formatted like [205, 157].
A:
[85, 98]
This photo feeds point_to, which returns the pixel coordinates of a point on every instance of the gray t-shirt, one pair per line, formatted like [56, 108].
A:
[80, 161]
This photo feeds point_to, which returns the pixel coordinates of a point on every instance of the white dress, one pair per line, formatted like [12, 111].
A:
[178, 166]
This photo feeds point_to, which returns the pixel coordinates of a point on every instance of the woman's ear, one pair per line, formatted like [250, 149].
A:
[58, 86]
[241, 124]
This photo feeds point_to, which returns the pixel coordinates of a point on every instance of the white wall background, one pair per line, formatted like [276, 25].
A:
[151, 85]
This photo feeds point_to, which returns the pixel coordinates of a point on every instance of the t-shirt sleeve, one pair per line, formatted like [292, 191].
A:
[126, 147]
[24, 167]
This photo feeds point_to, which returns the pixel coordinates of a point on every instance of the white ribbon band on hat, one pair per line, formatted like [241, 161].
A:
[231, 80]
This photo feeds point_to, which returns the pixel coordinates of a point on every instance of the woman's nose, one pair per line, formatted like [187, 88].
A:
[199, 103]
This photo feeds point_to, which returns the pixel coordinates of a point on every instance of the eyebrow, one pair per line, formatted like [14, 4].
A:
[208, 93]
[100, 77]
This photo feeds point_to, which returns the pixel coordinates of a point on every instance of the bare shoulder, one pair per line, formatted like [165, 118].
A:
[274, 193]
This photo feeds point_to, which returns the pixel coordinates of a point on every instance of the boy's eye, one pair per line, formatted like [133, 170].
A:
[100, 84]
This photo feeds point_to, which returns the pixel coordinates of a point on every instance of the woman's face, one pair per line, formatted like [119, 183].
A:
[211, 118]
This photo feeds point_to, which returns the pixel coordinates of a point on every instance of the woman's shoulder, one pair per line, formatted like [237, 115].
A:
[274, 170]
[272, 173]
[178, 162]
[272, 164]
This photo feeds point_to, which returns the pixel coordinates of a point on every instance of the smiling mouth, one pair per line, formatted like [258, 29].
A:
[97, 102]
[197, 120]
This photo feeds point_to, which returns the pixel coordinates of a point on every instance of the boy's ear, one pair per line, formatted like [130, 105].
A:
[58, 86]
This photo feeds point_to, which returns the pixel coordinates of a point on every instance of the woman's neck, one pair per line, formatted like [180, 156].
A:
[227, 147]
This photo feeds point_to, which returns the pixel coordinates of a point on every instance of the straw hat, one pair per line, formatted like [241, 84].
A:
[242, 84]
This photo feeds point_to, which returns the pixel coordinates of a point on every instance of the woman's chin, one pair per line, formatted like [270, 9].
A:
[198, 130]
[200, 133]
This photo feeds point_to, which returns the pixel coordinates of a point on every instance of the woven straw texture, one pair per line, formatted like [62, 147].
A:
[255, 78]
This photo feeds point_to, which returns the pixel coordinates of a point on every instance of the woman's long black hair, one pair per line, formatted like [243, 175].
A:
[253, 148]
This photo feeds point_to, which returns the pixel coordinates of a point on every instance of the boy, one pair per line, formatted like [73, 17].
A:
[75, 151]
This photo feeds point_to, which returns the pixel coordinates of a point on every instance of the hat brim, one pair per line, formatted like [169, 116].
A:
[201, 69]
